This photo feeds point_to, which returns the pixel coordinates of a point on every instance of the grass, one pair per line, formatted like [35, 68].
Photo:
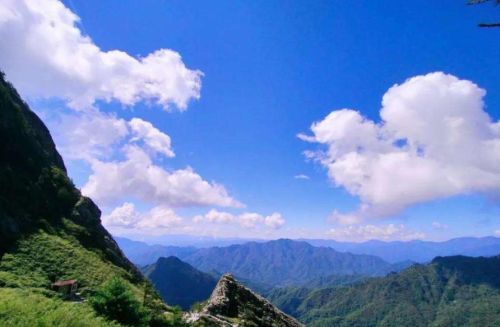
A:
[21, 307]
[42, 258]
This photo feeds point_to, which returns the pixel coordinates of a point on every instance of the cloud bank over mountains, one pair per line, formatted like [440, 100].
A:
[435, 140]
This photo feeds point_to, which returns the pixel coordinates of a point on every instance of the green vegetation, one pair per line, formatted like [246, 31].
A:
[116, 301]
[27, 308]
[42, 258]
[451, 291]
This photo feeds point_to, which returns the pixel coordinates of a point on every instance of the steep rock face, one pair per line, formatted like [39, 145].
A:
[232, 304]
[39, 201]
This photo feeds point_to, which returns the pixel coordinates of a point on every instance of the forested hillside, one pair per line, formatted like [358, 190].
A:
[284, 262]
[450, 291]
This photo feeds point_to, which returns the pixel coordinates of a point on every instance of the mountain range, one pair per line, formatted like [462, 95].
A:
[394, 252]
[284, 262]
[417, 251]
[449, 291]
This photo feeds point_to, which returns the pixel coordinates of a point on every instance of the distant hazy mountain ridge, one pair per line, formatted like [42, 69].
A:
[285, 262]
[418, 251]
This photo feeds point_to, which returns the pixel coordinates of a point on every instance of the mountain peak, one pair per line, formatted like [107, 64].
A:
[232, 304]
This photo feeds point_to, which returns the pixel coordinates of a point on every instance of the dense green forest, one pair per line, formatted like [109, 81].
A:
[450, 291]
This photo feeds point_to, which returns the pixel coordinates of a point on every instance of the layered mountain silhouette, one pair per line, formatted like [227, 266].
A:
[143, 254]
[179, 283]
[280, 262]
[417, 251]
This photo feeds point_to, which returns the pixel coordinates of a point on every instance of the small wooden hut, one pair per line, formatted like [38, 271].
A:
[67, 288]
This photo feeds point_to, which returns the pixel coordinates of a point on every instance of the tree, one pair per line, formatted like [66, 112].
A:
[476, 2]
[116, 301]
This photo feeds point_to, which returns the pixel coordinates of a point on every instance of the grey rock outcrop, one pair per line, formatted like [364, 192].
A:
[232, 304]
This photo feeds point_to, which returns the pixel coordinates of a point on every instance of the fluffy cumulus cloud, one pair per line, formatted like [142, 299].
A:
[247, 220]
[390, 232]
[152, 137]
[138, 177]
[127, 217]
[44, 53]
[87, 135]
[97, 138]
[434, 140]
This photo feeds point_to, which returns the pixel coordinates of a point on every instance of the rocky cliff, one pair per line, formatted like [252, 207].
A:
[232, 304]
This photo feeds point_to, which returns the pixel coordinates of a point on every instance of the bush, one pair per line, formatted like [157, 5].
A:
[115, 301]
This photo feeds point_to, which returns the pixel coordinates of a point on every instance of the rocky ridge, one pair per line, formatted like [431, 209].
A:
[232, 304]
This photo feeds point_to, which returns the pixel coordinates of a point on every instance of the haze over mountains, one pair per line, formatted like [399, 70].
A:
[393, 252]
[418, 251]
[280, 262]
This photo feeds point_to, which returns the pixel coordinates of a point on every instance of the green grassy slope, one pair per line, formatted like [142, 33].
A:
[20, 307]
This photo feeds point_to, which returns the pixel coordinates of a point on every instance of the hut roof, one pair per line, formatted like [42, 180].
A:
[64, 282]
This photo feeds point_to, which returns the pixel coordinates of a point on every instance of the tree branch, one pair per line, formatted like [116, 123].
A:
[489, 25]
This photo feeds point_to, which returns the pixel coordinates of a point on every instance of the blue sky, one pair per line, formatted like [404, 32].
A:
[271, 69]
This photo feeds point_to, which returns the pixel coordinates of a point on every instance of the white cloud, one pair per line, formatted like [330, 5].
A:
[127, 217]
[98, 138]
[250, 219]
[153, 138]
[274, 221]
[434, 141]
[497, 232]
[215, 216]
[301, 176]
[139, 178]
[87, 135]
[389, 232]
[439, 226]
[44, 54]
[247, 220]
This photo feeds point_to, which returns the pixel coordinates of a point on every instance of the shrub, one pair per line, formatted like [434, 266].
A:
[115, 301]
